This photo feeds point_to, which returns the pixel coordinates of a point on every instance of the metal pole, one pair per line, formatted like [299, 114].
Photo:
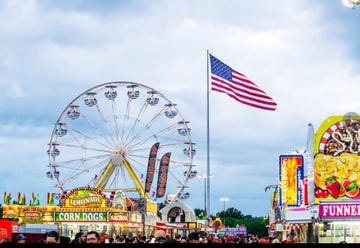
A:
[207, 143]
[143, 216]
[224, 214]
[203, 177]
[224, 199]
[205, 212]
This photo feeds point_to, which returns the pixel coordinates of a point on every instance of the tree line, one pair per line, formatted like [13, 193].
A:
[233, 217]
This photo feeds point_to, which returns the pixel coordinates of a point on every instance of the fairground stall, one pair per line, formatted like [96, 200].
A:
[337, 179]
[88, 209]
[291, 215]
[320, 202]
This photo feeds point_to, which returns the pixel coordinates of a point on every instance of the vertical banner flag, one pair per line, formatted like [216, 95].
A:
[162, 176]
[37, 201]
[9, 198]
[151, 167]
[6, 198]
[50, 198]
[32, 202]
[20, 199]
[226, 80]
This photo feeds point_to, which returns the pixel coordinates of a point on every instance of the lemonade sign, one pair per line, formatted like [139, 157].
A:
[337, 161]
[85, 197]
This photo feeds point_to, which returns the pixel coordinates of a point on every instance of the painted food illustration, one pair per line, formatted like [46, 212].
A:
[337, 176]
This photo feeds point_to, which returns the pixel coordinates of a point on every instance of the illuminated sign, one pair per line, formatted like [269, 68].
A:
[118, 217]
[217, 224]
[336, 161]
[31, 215]
[62, 216]
[85, 198]
[279, 227]
[151, 207]
[339, 210]
[291, 176]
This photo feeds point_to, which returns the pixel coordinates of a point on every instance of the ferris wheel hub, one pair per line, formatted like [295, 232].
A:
[117, 158]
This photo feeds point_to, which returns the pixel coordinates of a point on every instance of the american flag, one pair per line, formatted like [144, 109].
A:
[236, 85]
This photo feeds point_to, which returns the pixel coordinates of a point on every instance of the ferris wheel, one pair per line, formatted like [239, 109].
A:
[105, 136]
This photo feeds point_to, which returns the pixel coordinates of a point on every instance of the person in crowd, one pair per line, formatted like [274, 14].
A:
[118, 239]
[275, 241]
[4, 241]
[80, 238]
[243, 240]
[64, 240]
[194, 238]
[183, 240]
[104, 238]
[178, 237]
[52, 237]
[142, 239]
[151, 239]
[171, 241]
[93, 237]
[160, 236]
[135, 240]
[296, 239]
[21, 239]
[263, 240]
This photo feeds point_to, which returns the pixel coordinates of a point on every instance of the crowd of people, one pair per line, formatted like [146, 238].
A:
[159, 237]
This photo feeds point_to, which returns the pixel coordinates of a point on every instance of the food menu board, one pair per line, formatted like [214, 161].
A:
[336, 160]
[291, 176]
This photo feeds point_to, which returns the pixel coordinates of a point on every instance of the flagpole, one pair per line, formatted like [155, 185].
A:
[207, 196]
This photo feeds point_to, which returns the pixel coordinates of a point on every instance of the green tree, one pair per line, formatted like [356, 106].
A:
[199, 213]
[255, 225]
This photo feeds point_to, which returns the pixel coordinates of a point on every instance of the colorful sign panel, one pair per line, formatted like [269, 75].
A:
[336, 160]
[339, 210]
[66, 216]
[119, 217]
[291, 176]
[163, 174]
[30, 214]
[151, 167]
[85, 198]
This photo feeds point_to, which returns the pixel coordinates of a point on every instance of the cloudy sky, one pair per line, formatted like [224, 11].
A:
[304, 54]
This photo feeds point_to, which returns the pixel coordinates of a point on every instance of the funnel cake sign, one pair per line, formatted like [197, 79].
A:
[341, 210]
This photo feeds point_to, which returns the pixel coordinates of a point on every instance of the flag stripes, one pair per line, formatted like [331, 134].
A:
[226, 80]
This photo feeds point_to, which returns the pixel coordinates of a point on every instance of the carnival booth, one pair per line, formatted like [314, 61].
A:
[337, 179]
[292, 211]
[88, 209]
[320, 202]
